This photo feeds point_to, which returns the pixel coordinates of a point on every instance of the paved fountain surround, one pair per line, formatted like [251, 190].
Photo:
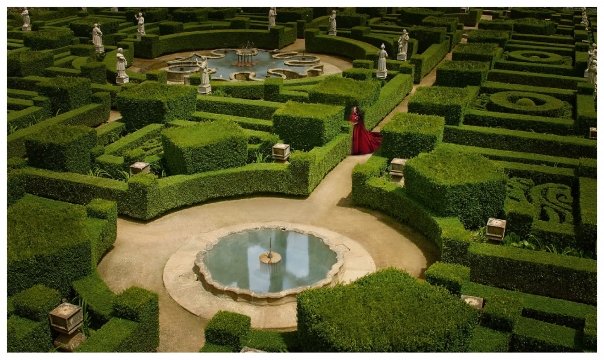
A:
[269, 310]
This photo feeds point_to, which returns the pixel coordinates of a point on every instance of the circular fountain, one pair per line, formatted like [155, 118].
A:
[268, 264]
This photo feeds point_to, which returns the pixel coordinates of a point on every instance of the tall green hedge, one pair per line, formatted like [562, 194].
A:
[368, 316]
[66, 93]
[537, 336]
[204, 147]
[407, 135]
[24, 335]
[453, 183]
[98, 297]
[345, 91]
[586, 114]
[448, 275]
[36, 302]
[588, 218]
[239, 107]
[48, 38]
[25, 63]
[83, 27]
[559, 276]
[140, 305]
[228, 328]
[449, 102]
[391, 94]
[461, 73]
[305, 126]
[426, 61]
[489, 36]
[486, 52]
[117, 335]
[152, 102]
[61, 148]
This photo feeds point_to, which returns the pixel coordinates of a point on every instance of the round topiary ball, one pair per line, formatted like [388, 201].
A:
[525, 102]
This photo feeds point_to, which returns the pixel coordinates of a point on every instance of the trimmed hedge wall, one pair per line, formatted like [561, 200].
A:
[534, 79]
[98, 297]
[24, 335]
[426, 61]
[269, 341]
[365, 316]
[48, 38]
[407, 135]
[95, 71]
[587, 229]
[538, 336]
[345, 91]
[488, 340]
[559, 276]
[204, 147]
[504, 139]
[83, 27]
[305, 126]
[537, 124]
[61, 148]
[117, 335]
[534, 26]
[461, 73]
[520, 102]
[106, 211]
[152, 102]
[229, 329]
[337, 45]
[141, 306]
[391, 95]
[449, 102]
[486, 52]
[36, 302]
[25, 63]
[450, 276]
[586, 114]
[231, 106]
[66, 93]
[447, 182]
[489, 36]
[501, 312]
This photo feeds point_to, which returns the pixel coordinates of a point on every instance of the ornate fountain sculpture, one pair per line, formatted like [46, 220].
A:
[270, 257]
[245, 54]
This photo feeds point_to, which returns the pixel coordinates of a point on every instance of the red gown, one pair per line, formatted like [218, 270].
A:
[363, 140]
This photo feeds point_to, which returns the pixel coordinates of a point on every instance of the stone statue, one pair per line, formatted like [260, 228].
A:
[114, 10]
[382, 72]
[332, 24]
[120, 66]
[97, 39]
[593, 55]
[272, 16]
[204, 75]
[141, 25]
[26, 22]
[403, 45]
[593, 71]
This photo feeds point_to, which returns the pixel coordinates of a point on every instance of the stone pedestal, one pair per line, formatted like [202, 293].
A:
[401, 56]
[69, 343]
[281, 152]
[204, 89]
[99, 49]
[332, 32]
[474, 301]
[586, 73]
[381, 74]
[26, 28]
[396, 167]
[138, 37]
[593, 133]
[496, 229]
[140, 167]
[122, 80]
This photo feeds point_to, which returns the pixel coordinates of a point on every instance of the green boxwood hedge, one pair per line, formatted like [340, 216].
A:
[152, 102]
[486, 52]
[586, 114]
[559, 276]
[407, 135]
[590, 339]
[488, 340]
[66, 93]
[95, 71]
[234, 106]
[61, 148]
[537, 124]
[83, 26]
[24, 335]
[392, 93]
[461, 73]
[588, 220]
[269, 341]
[426, 61]
[448, 183]
[36, 302]
[345, 91]
[117, 335]
[204, 147]
[534, 26]
[534, 79]
[365, 316]
[489, 36]
[448, 275]
[305, 126]
[449, 102]
[537, 336]
[141, 306]
[501, 312]
[97, 296]
[337, 45]
[48, 38]
[228, 328]
[106, 211]
[520, 102]
[25, 63]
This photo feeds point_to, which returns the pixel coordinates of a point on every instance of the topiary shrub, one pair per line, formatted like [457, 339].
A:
[387, 311]
[461, 73]
[204, 147]
[520, 102]
[152, 102]
[407, 135]
[450, 276]
[66, 93]
[83, 27]
[36, 302]
[535, 56]
[345, 91]
[453, 183]
[305, 126]
[449, 102]
[95, 71]
[48, 38]
[489, 36]
[24, 335]
[487, 52]
[61, 148]
[269, 341]
[229, 329]
[170, 27]
[142, 306]
[501, 312]
[25, 63]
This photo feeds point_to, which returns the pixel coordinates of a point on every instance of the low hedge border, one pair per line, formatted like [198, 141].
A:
[426, 61]
[449, 102]
[489, 87]
[97, 297]
[337, 45]
[538, 336]
[461, 73]
[586, 114]
[448, 275]
[489, 341]
[588, 220]
[562, 70]
[36, 302]
[244, 122]
[133, 140]
[391, 95]
[408, 134]
[533, 79]
[117, 335]
[228, 329]
[486, 52]
[521, 102]
[259, 109]
[532, 123]
[24, 335]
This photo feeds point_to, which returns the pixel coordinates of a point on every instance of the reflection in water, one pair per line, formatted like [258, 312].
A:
[234, 260]
[262, 62]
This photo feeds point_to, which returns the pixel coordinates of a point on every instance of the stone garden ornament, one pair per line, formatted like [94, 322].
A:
[403, 45]
[332, 24]
[141, 25]
[382, 72]
[593, 55]
[122, 63]
[272, 16]
[204, 87]
[26, 22]
[97, 39]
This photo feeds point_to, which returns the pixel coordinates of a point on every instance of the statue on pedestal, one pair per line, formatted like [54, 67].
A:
[332, 24]
[97, 39]
[204, 75]
[593, 55]
[593, 71]
[26, 22]
[114, 10]
[382, 72]
[121, 65]
[403, 45]
[141, 25]
[272, 16]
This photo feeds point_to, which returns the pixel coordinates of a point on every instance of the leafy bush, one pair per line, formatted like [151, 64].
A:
[228, 328]
[450, 276]
[66, 93]
[449, 102]
[563, 277]
[447, 182]
[142, 306]
[48, 38]
[368, 319]
[152, 102]
[61, 148]
[36, 302]
[25, 63]
[204, 147]
[305, 126]
[346, 92]
[24, 335]
[538, 336]
[461, 73]
[407, 135]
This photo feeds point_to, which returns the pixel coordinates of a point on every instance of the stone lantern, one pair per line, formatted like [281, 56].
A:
[66, 320]
[140, 167]
[474, 301]
[396, 167]
[496, 229]
[281, 152]
[593, 132]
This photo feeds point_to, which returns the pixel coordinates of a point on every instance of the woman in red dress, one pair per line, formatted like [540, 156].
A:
[363, 140]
